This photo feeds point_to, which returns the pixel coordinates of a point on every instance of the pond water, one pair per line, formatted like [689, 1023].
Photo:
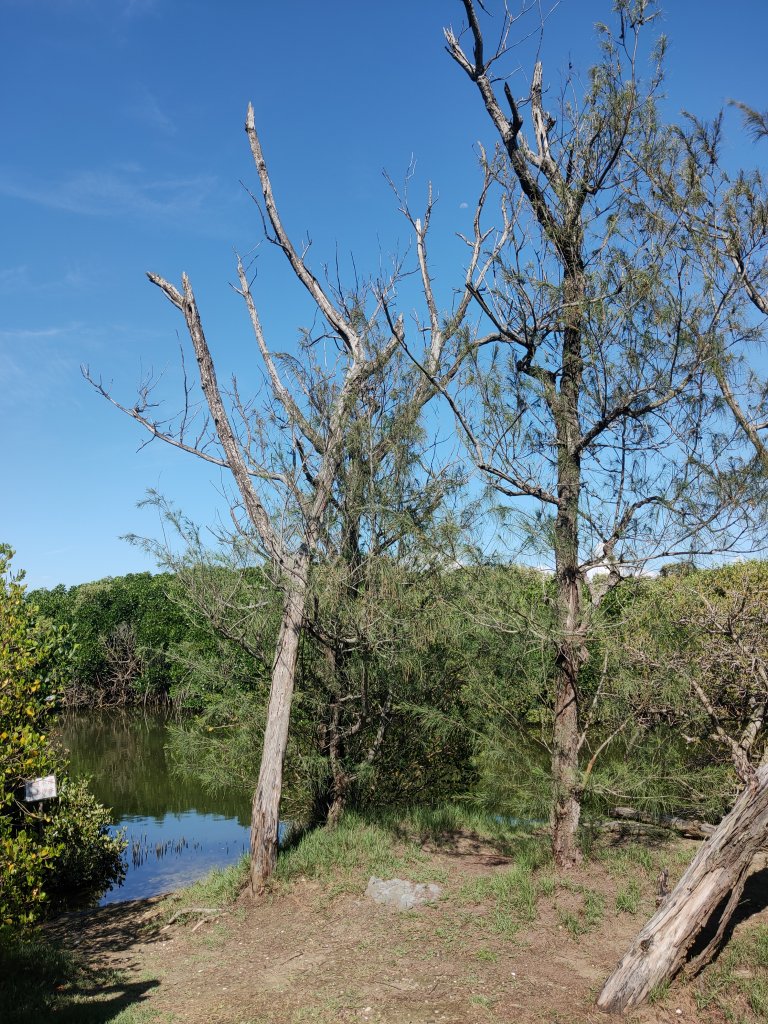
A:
[176, 831]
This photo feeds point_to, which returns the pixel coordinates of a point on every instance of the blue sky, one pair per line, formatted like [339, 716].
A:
[123, 151]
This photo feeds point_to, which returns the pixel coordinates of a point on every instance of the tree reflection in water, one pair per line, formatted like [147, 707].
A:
[176, 830]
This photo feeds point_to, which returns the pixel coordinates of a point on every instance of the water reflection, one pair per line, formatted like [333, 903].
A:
[176, 831]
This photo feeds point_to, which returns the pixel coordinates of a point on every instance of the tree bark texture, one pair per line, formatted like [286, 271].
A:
[566, 778]
[339, 793]
[339, 777]
[571, 654]
[265, 813]
[566, 808]
[706, 896]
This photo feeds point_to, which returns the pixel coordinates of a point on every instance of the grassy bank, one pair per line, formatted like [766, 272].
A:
[509, 939]
[385, 845]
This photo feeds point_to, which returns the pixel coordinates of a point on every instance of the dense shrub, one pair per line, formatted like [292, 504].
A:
[89, 858]
[122, 629]
[47, 850]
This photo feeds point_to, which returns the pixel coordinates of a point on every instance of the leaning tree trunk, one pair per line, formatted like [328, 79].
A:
[706, 895]
[265, 813]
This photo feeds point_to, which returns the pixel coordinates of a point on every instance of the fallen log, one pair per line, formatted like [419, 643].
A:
[683, 826]
[706, 895]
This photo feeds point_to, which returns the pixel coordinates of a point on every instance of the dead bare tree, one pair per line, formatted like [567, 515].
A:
[288, 459]
[583, 401]
[124, 665]
[301, 478]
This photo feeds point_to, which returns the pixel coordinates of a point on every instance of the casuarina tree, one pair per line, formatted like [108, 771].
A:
[581, 396]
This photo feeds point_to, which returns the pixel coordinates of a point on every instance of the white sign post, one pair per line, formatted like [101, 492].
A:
[40, 789]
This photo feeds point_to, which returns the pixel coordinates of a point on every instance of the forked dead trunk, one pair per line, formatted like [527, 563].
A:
[265, 813]
[705, 897]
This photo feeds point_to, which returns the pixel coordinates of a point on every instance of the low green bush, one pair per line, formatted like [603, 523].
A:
[90, 858]
[58, 850]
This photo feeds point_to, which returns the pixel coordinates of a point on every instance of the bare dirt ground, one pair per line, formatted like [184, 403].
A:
[305, 955]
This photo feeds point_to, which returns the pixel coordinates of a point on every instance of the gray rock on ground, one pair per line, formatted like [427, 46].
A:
[402, 895]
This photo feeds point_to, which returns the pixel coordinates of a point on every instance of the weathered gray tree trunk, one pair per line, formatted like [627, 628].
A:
[713, 884]
[265, 812]
[566, 806]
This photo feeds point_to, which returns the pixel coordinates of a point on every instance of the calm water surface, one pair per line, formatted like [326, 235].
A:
[176, 831]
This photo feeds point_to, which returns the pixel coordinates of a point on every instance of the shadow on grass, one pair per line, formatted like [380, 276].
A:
[41, 981]
[754, 899]
[104, 930]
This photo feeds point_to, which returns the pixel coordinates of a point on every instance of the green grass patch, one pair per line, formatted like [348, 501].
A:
[573, 923]
[629, 855]
[588, 917]
[349, 854]
[737, 983]
[546, 885]
[386, 843]
[513, 893]
[488, 956]
[485, 1001]
[628, 898]
[594, 908]
[41, 982]
[442, 824]
[659, 993]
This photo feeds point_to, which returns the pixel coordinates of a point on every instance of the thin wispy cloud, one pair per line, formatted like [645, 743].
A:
[20, 280]
[39, 334]
[113, 193]
[137, 8]
[146, 109]
[35, 367]
[14, 279]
